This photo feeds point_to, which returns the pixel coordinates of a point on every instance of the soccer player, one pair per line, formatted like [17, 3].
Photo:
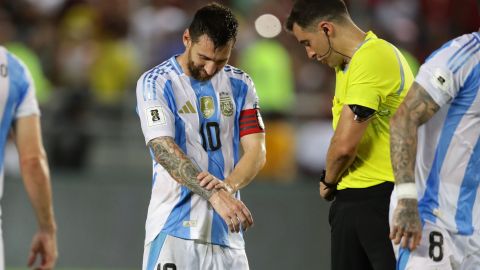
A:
[19, 114]
[195, 112]
[435, 151]
[372, 78]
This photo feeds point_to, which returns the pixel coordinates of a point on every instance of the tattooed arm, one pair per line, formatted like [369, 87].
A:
[183, 170]
[178, 165]
[417, 108]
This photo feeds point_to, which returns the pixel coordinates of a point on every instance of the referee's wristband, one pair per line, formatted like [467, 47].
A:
[322, 180]
[406, 191]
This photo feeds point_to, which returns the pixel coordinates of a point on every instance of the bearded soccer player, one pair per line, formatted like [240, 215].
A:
[195, 113]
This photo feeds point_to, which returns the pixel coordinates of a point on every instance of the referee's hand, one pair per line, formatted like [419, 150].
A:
[327, 193]
[233, 211]
[406, 226]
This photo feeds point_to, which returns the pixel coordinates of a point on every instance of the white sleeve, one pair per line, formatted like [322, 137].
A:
[251, 100]
[28, 104]
[437, 78]
[156, 116]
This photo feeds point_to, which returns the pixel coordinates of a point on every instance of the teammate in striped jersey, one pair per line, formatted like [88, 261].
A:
[19, 114]
[435, 150]
[195, 112]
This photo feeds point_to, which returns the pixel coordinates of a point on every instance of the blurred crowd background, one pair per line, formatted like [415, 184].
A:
[86, 55]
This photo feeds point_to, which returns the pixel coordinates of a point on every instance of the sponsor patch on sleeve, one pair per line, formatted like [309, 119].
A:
[442, 80]
[155, 116]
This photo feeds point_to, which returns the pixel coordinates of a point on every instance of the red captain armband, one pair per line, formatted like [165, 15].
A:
[251, 122]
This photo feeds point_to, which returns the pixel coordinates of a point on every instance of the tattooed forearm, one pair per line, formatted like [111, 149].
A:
[416, 109]
[178, 165]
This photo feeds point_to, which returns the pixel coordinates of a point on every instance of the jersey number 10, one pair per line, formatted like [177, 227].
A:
[210, 133]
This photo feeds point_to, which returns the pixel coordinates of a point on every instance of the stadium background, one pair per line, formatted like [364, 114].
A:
[86, 55]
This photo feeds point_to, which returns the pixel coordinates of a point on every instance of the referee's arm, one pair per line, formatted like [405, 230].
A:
[344, 143]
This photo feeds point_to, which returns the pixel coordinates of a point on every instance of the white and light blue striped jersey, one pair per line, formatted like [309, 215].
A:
[448, 153]
[204, 119]
[17, 98]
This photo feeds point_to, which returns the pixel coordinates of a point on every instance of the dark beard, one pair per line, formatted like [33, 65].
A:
[197, 72]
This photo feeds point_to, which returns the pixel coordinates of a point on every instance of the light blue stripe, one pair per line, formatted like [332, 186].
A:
[181, 211]
[155, 249]
[471, 180]
[216, 163]
[459, 51]
[403, 256]
[466, 59]
[468, 193]
[18, 86]
[176, 65]
[456, 112]
[465, 55]
[444, 46]
[239, 92]
[149, 81]
[402, 72]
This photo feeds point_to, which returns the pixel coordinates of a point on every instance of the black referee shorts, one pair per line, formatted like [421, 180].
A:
[360, 229]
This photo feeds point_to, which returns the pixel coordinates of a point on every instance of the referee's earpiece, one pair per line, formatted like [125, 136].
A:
[325, 30]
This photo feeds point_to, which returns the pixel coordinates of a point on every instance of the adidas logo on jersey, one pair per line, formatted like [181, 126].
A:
[187, 108]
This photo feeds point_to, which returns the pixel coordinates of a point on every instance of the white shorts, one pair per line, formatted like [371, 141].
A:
[440, 249]
[171, 253]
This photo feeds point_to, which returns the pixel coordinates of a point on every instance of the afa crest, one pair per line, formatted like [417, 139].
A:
[226, 104]
[207, 106]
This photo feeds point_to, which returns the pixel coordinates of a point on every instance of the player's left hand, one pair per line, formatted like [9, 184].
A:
[406, 226]
[44, 246]
[326, 193]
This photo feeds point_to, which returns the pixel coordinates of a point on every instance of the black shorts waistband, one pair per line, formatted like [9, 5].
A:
[352, 194]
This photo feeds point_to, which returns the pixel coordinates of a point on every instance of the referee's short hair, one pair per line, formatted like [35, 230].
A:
[306, 13]
[217, 22]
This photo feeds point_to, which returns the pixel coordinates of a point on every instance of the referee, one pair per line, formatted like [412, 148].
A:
[372, 78]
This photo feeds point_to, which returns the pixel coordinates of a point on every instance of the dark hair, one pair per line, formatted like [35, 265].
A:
[307, 12]
[217, 22]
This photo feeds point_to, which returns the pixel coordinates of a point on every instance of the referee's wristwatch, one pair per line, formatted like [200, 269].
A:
[322, 180]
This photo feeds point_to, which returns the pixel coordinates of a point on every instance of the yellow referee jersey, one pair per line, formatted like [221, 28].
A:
[377, 77]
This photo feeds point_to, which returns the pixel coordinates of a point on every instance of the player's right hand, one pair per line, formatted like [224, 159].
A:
[233, 211]
[209, 181]
[44, 246]
[406, 226]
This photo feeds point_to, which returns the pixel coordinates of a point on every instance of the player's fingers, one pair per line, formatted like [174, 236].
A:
[398, 235]
[234, 222]
[211, 184]
[415, 241]
[406, 239]
[393, 232]
[202, 175]
[247, 214]
[207, 179]
[31, 258]
[229, 224]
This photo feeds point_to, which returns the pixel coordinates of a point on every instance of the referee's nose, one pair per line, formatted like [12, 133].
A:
[210, 68]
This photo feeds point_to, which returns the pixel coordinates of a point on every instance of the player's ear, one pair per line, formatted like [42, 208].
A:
[187, 40]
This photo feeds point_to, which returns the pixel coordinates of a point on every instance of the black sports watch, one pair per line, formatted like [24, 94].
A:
[322, 179]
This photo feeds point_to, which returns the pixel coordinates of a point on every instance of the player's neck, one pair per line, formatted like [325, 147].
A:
[183, 62]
